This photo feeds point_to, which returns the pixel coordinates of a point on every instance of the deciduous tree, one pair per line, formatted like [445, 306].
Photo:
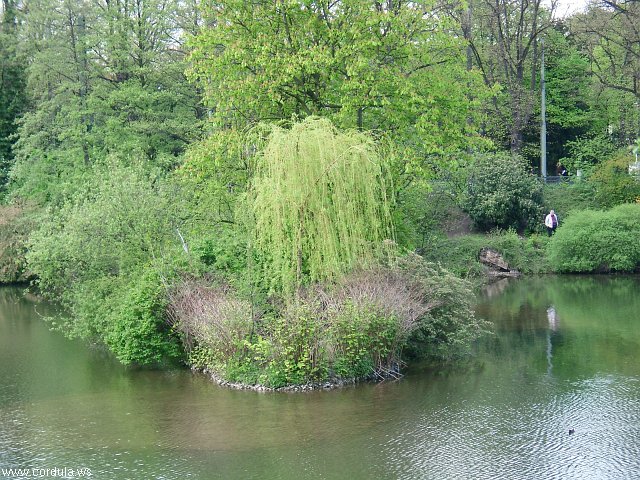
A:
[394, 67]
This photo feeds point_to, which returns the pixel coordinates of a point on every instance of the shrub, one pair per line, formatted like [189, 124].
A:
[587, 151]
[16, 223]
[614, 185]
[210, 318]
[564, 197]
[501, 193]
[357, 328]
[371, 314]
[598, 241]
[364, 342]
[424, 210]
[449, 326]
[298, 354]
[101, 255]
[135, 329]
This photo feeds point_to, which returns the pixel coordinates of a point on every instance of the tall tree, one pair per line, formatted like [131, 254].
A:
[12, 85]
[106, 79]
[503, 38]
[609, 34]
[390, 66]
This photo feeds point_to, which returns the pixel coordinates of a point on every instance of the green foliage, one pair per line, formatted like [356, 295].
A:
[216, 171]
[501, 193]
[460, 254]
[321, 206]
[222, 249]
[614, 185]
[606, 33]
[567, 82]
[93, 256]
[297, 353]
[449, 327]
[214, 178]
[15, 225]
[395, 70]
[364, 338]
[571, 113]
[588, 151]
[357, 328]
[13, 97]
[598, 241]
[134, 328]
[565, 197]
[425, 210]
[104, 81]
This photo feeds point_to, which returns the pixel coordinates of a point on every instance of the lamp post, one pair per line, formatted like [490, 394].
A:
[543, 117]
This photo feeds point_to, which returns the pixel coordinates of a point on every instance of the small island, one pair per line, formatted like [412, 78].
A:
[297, 195]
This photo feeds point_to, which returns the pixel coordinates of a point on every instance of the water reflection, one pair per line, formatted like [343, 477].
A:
[565, 354]
[553, 327]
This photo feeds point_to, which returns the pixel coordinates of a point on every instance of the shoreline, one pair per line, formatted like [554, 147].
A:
[326, 385]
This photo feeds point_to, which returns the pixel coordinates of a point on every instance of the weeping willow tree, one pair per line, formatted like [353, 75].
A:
[321, 204]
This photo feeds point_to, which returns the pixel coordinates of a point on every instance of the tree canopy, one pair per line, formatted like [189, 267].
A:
[396, 68]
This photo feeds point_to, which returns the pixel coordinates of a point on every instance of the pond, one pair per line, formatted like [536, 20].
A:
[565, 355]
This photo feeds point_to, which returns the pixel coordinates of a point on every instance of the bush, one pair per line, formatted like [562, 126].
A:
[614, 185]
[135, 328]
[564, 197]
[588, 151]
[101, 257]
[423, 210]
[598, 241]
[15, 225]
[501, 193]
[210, 318]
[358, 328]
[364, 341]
[449, 326]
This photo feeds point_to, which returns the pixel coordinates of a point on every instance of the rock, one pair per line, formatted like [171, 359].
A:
[493, 259]
[498, 266]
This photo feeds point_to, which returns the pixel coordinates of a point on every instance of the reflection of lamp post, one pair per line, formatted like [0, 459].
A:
[552, 317]
[553, 326]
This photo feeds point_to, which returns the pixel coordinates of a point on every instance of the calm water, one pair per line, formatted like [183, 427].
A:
[565, 354]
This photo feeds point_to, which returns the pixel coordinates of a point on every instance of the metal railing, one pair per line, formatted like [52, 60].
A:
[557, 179]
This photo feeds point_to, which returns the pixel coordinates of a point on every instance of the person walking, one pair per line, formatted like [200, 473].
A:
[551, 222]
[562, 170]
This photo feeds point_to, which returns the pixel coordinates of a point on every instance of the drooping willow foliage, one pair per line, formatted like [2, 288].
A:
[321, 204]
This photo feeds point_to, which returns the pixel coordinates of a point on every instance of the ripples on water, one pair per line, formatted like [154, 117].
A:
[530, 440]
[507, 416]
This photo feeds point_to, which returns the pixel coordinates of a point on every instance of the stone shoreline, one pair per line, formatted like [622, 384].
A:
[306, 387]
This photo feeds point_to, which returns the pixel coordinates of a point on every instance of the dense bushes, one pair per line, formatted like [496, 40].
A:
[564, 197]
[588, 151]
[613, 183]
[101, 256]
[425, 210]
[501, 193]
[15, 225]
[598, 241]
[357, 328]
